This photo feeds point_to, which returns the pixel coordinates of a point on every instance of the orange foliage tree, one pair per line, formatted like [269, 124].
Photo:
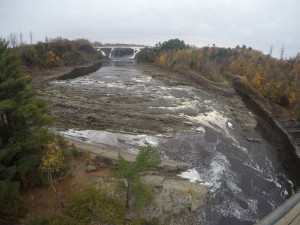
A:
[256, 81]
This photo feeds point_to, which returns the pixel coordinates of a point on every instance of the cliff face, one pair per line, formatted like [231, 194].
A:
[284, 131]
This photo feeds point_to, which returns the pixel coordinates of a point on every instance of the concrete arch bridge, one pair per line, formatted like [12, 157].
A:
[120, 51]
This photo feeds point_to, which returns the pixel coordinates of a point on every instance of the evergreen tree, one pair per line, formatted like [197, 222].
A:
[146, 159]
[22, 131]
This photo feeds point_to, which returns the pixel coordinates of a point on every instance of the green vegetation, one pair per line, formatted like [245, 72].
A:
[54, 220]
[150, 54]
[172, 44]
[146, 159]
[75, 151]
[23, 132]
[92, 205]
[277, 80]
[58, 52]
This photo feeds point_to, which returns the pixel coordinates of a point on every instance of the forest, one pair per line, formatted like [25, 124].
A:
[275, 79]
[56, 52]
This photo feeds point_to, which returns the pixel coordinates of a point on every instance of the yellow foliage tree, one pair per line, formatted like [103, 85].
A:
[51, 58]
[292, 97]
[162, 59]
[53, 161]
[256, 81]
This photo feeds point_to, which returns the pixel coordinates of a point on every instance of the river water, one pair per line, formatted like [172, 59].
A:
[247, 177]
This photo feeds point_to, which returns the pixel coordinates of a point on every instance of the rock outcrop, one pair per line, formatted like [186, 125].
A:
[175, 197]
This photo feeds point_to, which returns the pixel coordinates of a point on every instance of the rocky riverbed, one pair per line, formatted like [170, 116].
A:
[189, 120]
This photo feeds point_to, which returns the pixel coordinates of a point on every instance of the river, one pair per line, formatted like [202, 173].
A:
[123, 105]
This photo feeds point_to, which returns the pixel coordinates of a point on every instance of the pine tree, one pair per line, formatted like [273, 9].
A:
[23, 131]
[134, 187]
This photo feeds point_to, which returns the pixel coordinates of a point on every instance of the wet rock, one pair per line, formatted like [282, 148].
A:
[130, 216]
[255, 140]
[188, 123]
[183, 167]
[173, 167]
[105, 160]
[90, 168]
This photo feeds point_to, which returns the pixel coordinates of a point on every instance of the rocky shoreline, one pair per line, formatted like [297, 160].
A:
[234, 92]
[176, 199]
[269, 115]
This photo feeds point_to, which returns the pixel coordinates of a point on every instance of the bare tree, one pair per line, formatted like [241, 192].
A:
[13, 39]
[282, 52]
[271, 50]
[31, 37]
[21, 38]
[297, 57]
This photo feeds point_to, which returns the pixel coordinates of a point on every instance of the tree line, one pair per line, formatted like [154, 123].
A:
[56, 52]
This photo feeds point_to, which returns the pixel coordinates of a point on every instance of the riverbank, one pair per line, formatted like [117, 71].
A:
[285, 131]
[42, 76]
[273, 116]
[211, 130]
[175, 198]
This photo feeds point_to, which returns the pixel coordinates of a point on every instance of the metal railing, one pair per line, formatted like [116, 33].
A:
[281, 210]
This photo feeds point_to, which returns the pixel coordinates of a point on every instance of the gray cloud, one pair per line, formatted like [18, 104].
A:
[255, 23]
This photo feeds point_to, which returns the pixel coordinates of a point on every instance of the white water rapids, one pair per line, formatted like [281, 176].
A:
[247, 178]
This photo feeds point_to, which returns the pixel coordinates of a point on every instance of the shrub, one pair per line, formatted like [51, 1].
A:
[36, 221]
[92, 205]
[62, 220]
[53, 220]
[75, 151]
[12, 206]
[153, 221]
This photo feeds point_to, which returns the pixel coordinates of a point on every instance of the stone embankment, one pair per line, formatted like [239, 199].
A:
[285, 131]
[42, 77]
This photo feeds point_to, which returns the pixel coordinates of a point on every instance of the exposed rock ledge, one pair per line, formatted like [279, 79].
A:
[177, 201]
[267, 113]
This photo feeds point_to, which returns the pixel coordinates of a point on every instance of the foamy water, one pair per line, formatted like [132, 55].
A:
[124, 141]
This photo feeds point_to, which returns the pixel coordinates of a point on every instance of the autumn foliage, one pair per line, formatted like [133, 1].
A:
[277, 80]
[58, 52]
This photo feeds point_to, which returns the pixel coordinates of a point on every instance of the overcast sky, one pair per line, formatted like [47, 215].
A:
[226, 23]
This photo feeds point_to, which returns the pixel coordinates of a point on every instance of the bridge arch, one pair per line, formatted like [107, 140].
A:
[120, 51]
